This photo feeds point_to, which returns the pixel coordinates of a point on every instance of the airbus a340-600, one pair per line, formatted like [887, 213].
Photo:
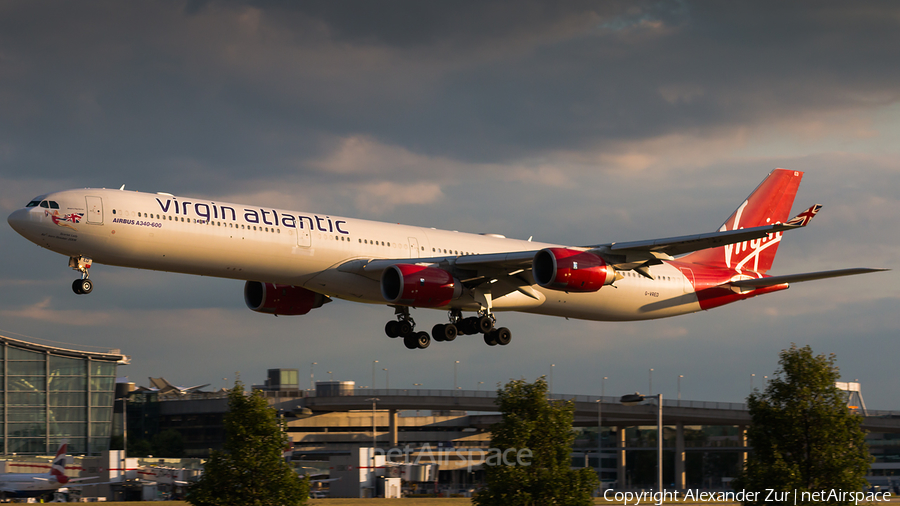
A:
[293, 262]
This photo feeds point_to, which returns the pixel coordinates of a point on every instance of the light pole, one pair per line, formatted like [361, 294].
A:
[330, 376]
[312, 384]
[455, 365]
[479, 386]
[679, 388]
[600, 438]
[374, 441]
[551, 380]
[752, 377]
[603, 387]
[387, 379]
[373, 373]
[635, 398]
[651, 381]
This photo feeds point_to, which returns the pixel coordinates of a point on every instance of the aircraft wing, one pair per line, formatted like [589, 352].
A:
[514, 267]
[667, 248]
[796, 278]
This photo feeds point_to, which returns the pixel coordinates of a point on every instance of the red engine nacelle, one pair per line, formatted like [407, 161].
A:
[571, 270]
[420, 286]
[281, 299]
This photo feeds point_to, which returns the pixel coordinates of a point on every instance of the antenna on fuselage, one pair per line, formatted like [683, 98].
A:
[122, 188]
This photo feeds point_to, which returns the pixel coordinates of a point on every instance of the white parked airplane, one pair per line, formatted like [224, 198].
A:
[38, 484]
[294, 262]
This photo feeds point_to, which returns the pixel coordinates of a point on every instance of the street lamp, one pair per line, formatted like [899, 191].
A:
[651, 381]
[455, 364]
[479, 385]
[550, 393]
[387, 379]
[679, 388]
[312, 385]
[600, 438]
[373, 373]
[374, 441]
[330, 376]
[636, 398]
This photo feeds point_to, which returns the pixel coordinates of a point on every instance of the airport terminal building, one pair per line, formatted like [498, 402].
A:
[50, 394]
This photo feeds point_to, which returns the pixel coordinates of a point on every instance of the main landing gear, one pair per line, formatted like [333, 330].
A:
[84, 285]
[483, 323]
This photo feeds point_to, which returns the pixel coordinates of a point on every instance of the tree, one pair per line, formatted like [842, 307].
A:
[251, 471]
[537, 436]
[804, 437]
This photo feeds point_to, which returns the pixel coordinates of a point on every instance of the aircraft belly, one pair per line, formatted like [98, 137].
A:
[238, 256]
[629, 299]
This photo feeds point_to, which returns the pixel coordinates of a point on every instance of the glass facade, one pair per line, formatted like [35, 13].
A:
[53, 394]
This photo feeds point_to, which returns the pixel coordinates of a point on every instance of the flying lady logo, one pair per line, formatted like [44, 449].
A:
[64, 220]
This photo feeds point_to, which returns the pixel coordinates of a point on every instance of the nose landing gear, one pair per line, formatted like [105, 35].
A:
[84, 285]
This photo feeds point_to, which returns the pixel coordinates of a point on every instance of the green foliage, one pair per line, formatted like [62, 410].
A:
[251, 471]
[804, 437]
[544, 427]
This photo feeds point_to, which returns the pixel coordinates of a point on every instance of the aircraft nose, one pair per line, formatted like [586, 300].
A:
[17, 220]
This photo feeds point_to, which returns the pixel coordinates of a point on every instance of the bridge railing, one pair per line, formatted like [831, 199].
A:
[609, 399]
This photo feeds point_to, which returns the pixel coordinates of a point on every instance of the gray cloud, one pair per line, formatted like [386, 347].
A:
[575, 122]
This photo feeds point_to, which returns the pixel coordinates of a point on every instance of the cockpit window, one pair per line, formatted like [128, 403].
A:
[45, 204]
[54, 205]
[33, 203]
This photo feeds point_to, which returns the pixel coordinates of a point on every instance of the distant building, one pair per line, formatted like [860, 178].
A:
[52, 393]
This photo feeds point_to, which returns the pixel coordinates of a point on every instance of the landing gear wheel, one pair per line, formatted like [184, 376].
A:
[82, 286]
[392, 328]
[404, 328]
[485, 324]
[469, 326]
[438, 332]
[410, 342]
[446, 332]
[503, 336]
[422, 340]
[490, 338]
[450, 332]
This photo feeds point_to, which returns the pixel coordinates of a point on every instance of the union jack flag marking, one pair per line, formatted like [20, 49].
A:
[803, 218]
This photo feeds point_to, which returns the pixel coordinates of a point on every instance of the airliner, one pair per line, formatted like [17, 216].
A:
[38, 484]
[293, 262]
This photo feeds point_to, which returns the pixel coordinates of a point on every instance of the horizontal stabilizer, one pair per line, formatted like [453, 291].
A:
[796, 278]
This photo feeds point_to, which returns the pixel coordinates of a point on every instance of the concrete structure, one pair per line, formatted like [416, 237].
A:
[448, 432]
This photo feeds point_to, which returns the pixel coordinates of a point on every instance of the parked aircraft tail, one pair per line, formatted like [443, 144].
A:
[58, 469]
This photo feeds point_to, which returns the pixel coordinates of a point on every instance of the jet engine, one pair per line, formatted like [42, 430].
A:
[571, 270]
[419, 286]
[281, 299]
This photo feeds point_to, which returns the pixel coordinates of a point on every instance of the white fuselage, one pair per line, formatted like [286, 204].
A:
[197, 236]
[27, 484]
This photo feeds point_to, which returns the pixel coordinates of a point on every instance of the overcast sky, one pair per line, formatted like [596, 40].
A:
[573, 122]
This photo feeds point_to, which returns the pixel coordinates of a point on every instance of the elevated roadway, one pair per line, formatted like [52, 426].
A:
[586, 408]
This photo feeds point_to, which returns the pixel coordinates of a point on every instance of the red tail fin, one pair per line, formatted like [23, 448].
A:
[770, 202]
[58, 470]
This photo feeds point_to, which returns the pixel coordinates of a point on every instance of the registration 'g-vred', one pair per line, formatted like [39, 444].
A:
[294, 262]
